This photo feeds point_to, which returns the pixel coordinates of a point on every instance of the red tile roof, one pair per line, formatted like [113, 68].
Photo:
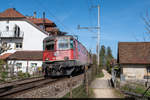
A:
[5, 56]
[40, 20]
[11, 13]
[26, 55]
[134, 53]
[53, 29]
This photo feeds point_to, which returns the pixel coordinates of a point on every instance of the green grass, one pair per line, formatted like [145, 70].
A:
[79, 92]
[100, 75]
[139, 89]
[118, 93]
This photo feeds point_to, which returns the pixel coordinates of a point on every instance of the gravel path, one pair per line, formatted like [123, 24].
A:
[102, 88]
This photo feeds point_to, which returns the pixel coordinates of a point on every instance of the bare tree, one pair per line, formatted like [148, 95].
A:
[146, 20]
[4, 47]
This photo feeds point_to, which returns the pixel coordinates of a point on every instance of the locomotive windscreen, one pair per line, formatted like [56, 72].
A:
[49, 45]
[63, 43]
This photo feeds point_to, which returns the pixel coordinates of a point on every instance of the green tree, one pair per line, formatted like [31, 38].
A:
[109, 54]
[3, 70]
[109, 57]
[102, 56]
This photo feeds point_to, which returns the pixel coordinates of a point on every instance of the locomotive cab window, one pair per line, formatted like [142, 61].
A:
[63, 44]
[49, 45]
[71, 43]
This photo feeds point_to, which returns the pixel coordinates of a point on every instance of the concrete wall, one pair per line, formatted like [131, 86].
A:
[136, 72]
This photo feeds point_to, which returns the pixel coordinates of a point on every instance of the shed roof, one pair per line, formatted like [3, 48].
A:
[5, 56]
[26, 55]
[134, 52]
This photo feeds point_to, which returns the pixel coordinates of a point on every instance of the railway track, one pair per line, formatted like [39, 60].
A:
[20, 86]
[20, 81]
[23, 86]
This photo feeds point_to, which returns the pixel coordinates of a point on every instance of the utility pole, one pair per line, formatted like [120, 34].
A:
[98, 33]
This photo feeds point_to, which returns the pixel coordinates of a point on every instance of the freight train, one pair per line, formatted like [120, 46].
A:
[64, 55]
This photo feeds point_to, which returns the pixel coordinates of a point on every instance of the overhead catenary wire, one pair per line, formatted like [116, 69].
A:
[89, 4]
[52, 15]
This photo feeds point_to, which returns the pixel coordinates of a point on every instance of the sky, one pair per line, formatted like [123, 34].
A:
[120, 20]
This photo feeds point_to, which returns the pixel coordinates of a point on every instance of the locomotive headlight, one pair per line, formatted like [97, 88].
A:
[47, 59]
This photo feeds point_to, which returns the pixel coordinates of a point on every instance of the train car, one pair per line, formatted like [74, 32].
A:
[63, 55]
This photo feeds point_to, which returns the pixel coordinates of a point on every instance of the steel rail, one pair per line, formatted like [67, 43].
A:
[21, 81]
[25, 86]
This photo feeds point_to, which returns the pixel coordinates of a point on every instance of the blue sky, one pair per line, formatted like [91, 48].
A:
[120, 19]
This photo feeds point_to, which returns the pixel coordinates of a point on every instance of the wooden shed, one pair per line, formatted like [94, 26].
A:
[134, 60]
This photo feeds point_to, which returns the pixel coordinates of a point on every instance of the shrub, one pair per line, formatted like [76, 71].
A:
[23, 75]
[4, 75]
[135, 88]
[3, 70]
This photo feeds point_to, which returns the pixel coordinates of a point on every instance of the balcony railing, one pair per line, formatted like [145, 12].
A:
[11, 34]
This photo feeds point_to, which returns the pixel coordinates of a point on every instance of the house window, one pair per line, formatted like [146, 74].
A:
[16, 31]
[7, 28]
[33, 64]
[19, 65]
[18, 45]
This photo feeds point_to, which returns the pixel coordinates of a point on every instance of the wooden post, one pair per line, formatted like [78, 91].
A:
[86, 80]
[70, 86]
[27, 67]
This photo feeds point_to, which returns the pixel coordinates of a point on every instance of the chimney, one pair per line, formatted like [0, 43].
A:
[44, 20]
[14, 8]
[34, 15]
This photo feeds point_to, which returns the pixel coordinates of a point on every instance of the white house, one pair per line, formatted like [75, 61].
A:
[23, 33]
[25, 61]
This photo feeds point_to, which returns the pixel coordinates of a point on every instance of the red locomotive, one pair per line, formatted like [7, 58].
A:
[64, 55]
